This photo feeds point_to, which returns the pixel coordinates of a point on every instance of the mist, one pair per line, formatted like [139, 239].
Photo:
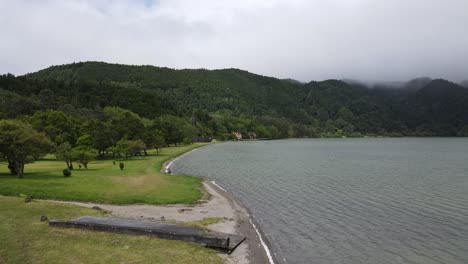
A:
[304, 40]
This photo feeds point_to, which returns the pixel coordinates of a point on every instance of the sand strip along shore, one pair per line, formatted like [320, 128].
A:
[236, 220]
[258, 245]
[216, 203]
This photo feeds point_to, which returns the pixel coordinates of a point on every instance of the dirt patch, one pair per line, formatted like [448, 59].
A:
[139, 181]
[220, 204]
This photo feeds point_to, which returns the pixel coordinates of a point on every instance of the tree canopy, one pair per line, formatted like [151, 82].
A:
[20, 144]
[96, 110]
[111, 101]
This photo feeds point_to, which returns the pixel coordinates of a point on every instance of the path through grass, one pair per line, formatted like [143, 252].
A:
[24, 239]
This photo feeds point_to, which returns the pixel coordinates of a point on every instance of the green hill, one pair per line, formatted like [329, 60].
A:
[221, 101]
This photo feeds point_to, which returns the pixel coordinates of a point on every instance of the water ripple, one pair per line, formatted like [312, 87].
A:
[349, 200]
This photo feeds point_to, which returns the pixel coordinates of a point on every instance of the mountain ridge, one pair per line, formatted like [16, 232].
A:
[316, 108]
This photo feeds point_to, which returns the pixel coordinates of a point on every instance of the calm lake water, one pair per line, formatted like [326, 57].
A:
[347, 201]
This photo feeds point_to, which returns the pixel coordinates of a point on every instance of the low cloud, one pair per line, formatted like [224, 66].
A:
[300, 39]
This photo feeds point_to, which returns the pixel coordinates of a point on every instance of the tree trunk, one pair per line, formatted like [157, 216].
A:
[20, 169]
[12, 167]
[69, 165]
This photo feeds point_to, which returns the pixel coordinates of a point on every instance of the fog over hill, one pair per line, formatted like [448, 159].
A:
[222, 101]
[464, 84]
[300, 39]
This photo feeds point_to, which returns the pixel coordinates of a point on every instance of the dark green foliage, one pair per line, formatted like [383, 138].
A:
[13, 104]
[187, 141]
[110, 102]
[67, 172]
[121, 165]
[64, 152]
[57, 126]
[175, 129]
[12, 167]
[154, 138]
[20, 144]
[83, 154]
[126, 148]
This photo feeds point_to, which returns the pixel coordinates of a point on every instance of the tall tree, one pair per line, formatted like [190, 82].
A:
[155, 139]
[124, 123]
[84, 155]
[64, 152]
[20, 144]
[57, 125]
[173, 128]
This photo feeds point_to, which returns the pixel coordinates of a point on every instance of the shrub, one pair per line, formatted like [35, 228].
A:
[121, 165]
[66, 172]
[187, 141]
[84, 155]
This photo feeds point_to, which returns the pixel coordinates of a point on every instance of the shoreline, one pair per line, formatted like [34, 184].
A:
[217, 203]
[167, 165]
[252, 230]
[260, 237]
[235, 219]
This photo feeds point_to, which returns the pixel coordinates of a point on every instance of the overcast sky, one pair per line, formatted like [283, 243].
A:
[300, 39]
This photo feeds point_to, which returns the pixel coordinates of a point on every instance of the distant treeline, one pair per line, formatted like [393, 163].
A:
[105, 103]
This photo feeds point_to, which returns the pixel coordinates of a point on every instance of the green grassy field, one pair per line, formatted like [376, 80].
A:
[140, 182]
[24, 239]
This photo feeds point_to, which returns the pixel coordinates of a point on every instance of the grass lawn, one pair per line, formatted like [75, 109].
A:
[24, 239]
[140, 182]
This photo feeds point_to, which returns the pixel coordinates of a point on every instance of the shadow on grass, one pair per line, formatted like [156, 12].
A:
[85, 170]
[32, 176]
[7, 175]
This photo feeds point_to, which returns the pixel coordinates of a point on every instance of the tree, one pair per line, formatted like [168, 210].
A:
[136, 147]
[110, 102]
[124, 123]
[173, 128]
[154, 138]
[345, 126]
[57, 125]
[463, 132]
[127, 148]
[345, 114]
[158, 141]
[121, 148]
[21, 144]
[101, 134]
[84, 155]
[64, 152]
[85, 141]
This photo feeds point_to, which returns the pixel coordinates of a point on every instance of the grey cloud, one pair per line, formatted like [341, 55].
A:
[304, 40]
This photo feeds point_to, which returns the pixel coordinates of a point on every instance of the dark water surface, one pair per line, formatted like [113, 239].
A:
[349, 200]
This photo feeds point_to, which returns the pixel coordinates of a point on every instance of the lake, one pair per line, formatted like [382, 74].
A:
[377, 200]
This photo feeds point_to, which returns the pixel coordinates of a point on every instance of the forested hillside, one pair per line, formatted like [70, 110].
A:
[215, 103]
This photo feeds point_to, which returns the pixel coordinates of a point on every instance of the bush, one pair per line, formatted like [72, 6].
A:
[66, 172]
[231, 137]
[121, 165]
[187, 141]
